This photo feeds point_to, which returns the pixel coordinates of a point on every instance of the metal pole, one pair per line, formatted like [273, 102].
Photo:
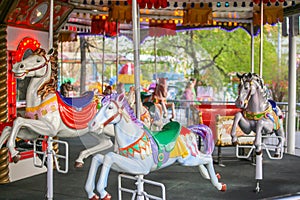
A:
[117, 51]
[61, 57]
[292, 88]
[155, 59]
[279, 48]
[51, 24]
[83, 64]
[261, 38]
[49, 169]
[252, 48]
[135, 23]
[49, 148]
[102, 75]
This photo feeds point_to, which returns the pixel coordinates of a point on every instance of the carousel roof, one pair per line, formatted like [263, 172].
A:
[101, 16]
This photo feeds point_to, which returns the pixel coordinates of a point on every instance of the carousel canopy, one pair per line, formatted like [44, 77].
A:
[159, 17]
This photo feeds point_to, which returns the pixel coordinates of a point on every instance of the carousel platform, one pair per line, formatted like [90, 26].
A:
[281, 180]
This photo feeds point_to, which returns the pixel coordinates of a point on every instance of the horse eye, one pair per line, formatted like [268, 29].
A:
[110, 107]
[38, 60]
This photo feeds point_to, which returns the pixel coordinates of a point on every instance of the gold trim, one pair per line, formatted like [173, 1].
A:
[36, 108]
[256, 115]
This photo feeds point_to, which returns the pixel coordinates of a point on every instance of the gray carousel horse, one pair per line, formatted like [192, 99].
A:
[259, 114]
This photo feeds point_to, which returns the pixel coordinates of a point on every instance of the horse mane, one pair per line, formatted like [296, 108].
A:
[126, 105]
[50, 86]
[248, 77]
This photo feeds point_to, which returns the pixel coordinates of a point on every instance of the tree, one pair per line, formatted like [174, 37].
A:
[213, 54]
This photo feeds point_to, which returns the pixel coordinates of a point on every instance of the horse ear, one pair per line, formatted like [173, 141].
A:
[121, 97]
[239, 75]
[50, 52]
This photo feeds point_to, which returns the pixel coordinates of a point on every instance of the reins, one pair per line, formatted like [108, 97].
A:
[40, 66]
[248, 95]
[120, 112]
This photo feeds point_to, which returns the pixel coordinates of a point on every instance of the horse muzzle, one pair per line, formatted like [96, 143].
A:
[241, 104]
[95, 127]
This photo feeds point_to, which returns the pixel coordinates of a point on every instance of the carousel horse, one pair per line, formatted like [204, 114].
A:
[151, 114]
[142, 151]
[160, 97]
[48, 113]
[260, 115]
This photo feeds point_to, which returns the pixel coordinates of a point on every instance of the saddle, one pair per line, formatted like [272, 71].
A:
[165, 141]
[76, 112]
[146, 96]
[78, 102]
[166, 138]
[275, 116]
[274, 106]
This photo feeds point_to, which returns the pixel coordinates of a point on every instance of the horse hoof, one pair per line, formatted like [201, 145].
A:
[234, 143]
[78, 165]
[95, 197]
[16, 158]
[276, 155]
[224, 187]
[218, 176]
[107, 197]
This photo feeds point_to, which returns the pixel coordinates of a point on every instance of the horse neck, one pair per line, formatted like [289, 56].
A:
[32, 98]
[127, 132]
[258, 102]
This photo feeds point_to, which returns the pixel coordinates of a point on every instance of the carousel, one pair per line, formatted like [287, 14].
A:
[34, 115]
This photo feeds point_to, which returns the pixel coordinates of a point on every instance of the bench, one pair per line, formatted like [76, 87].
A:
[219, 117]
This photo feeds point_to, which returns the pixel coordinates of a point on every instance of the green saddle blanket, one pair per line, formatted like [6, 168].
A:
[166, 138]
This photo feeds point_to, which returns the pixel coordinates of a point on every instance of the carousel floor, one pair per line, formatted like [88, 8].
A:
[281, 180]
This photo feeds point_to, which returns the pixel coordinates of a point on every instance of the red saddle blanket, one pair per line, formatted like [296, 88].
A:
[76, 118]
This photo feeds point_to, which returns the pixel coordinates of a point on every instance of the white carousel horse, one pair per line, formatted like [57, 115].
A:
[260, 115]
[47, 112]
[142, 151]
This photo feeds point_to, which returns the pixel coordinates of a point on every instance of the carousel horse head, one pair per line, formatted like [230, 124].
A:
[114, 108]
[250, 84]
[35, 65]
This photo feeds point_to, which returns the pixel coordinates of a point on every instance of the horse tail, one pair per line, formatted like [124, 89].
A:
[206, 135]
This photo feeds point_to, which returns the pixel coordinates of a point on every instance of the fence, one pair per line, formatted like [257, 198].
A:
[185, 117]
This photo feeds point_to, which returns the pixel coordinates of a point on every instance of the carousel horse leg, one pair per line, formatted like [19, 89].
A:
[165, 111]
[204, 172]
[5, 134]
[238, 116]
[90, 183]
[173, 111]
[104, 142]
[279, 133]
[37, 126]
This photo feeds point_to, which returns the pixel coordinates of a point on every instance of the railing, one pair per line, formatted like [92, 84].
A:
[185, 117]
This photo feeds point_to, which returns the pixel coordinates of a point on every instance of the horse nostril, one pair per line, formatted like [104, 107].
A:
[21, 66]
[93, 124]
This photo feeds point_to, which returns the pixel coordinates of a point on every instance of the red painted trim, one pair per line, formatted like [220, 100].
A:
[24, 155]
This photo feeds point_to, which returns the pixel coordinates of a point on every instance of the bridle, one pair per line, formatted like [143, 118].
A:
[251, 82]
[120, 112]
[38, 67]
[248, 94]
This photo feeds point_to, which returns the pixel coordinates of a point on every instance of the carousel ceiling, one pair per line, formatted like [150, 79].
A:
[101, 16]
